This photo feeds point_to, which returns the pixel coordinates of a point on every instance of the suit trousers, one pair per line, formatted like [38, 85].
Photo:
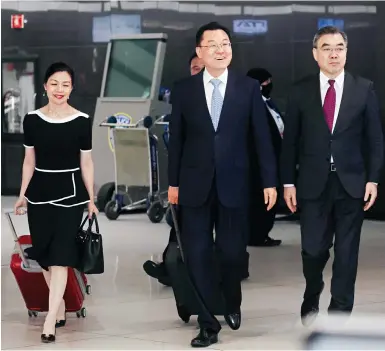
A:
[334, 215]
[197, 224]
[261, 221]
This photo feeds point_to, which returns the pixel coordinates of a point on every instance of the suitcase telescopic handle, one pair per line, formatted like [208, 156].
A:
[16, 239]
[198, 296]
[177, 230]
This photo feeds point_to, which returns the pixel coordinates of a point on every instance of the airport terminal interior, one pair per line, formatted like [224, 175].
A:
[126, 56]
[127, 310]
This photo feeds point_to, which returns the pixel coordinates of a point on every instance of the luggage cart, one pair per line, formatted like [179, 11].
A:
[136, 170]
[162, 132]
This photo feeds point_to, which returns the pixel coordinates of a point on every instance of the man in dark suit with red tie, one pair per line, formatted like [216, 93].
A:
[333, 132]
[212, 114]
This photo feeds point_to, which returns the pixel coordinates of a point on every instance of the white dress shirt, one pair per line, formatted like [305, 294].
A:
[209, 88]
[277, 118]
[339, 88]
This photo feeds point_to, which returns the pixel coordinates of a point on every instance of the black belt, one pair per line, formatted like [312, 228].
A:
[333, 167]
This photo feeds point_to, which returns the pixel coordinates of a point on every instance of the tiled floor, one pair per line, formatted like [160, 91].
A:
[128, 310]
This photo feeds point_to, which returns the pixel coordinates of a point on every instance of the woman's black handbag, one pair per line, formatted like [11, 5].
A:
[91, 259]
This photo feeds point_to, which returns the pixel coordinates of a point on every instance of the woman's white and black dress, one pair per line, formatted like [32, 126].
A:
[56, 194]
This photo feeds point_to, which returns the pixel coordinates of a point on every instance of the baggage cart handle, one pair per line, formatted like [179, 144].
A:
[16, 240]
[177, 231]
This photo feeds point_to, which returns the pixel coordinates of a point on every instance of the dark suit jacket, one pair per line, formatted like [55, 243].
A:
[275, 135]
[256, 183]
[197, 152]
[308, 141]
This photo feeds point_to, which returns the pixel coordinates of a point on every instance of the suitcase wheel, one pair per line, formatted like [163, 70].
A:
[88, 289]
[81, 313]
[32, 313]
[183, 313]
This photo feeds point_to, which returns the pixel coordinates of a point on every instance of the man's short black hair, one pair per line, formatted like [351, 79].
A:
[192, 57]
[259, 74]
[209, 26]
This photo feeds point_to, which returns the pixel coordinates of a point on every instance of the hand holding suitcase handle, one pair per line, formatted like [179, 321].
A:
[177, 231]
[16, 239]
[20, 206]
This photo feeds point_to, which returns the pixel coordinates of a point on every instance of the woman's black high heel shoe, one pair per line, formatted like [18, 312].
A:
[61, 323]
[48, 338]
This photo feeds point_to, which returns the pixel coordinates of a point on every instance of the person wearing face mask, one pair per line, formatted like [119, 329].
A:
[212, 115]
[261, 220]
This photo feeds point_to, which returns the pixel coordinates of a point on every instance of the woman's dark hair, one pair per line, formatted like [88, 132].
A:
[209, 26]
[59, 67]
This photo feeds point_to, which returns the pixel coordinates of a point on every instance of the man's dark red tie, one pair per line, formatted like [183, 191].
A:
[330, 104]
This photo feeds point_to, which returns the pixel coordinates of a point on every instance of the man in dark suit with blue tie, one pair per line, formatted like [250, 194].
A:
[212, 115]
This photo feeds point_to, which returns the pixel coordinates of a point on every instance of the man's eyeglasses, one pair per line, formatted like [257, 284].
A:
[217, 47]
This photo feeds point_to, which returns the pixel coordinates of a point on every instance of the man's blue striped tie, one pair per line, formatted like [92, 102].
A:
[216, 103]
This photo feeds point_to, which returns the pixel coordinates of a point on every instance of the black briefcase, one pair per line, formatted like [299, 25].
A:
[187, 298]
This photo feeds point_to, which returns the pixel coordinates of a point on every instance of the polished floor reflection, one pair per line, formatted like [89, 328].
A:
[128, 310]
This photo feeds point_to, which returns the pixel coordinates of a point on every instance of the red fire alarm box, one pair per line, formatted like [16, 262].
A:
[17, 21]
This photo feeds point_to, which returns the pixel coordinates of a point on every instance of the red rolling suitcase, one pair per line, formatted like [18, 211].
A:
[32, 285]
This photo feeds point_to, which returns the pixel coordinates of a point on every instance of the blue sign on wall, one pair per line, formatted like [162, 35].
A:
[323, 22]
[250, 26]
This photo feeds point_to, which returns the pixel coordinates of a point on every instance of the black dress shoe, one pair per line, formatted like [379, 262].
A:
[165, 280]
[310, 308]
[48, 338]
[233, 320]
[335, 307]
[269, 242]
[155, 270]
[205, 338]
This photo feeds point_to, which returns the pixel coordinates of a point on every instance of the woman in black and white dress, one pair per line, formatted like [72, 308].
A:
[58, 180]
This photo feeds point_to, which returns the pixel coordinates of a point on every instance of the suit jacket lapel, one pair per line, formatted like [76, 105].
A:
[316, 99]
[347, 92]
[229, 94]
[202, 101]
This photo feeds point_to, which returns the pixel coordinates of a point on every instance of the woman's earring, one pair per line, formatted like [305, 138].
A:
[45, 93]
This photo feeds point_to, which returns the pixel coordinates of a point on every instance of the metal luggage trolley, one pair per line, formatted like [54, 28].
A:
[161, 130]
[136, 168]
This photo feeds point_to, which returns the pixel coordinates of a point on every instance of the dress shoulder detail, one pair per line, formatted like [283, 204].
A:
[61, 120]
